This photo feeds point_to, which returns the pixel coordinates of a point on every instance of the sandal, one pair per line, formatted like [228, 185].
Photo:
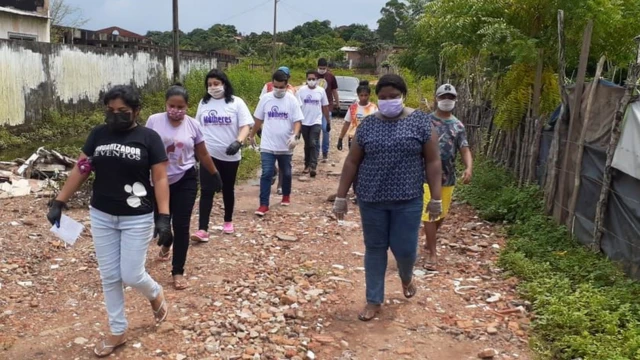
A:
[103, 350]
[369, 312]
[164, 255]
[430, 266]
[179, 282]
[410, 290]
[160, 314]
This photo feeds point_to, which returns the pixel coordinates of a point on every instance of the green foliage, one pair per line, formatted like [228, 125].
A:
[515, 91]
[585, 307]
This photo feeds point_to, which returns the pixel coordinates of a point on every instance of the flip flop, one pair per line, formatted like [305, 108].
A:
[369, 312]
[430, 266]
[160, 314]
[410, 290]
[106, 350]
[179, 282]
[164, 256]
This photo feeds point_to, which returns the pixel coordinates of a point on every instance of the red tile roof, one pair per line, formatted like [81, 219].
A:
[121, 31]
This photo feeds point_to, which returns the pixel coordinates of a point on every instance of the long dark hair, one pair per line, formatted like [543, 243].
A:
[228, 88]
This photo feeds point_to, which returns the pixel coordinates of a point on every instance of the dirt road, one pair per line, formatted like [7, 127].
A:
[287, 286]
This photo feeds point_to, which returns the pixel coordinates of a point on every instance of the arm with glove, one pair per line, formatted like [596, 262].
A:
[78, 176]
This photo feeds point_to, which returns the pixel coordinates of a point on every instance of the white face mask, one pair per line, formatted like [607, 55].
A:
[216, 92]
[312, 83]
[322, 71]
[279, 93]
[446, 105]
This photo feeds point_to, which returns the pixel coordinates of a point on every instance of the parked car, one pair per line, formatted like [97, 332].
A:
[347, 86]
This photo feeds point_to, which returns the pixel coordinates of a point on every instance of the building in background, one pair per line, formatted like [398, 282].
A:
[111, 37]
[25, 20]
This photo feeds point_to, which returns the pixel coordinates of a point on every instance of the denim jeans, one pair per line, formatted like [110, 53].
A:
[268, 161]
[385, 225]
[121, 244]
[325, 137]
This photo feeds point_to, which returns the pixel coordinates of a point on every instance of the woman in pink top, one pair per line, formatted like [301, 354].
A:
[183, 141]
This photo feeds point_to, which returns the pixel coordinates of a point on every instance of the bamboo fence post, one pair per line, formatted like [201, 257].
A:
[583, 134]
[539, 124]
[574, 111]
[634, 73]
[552, 172]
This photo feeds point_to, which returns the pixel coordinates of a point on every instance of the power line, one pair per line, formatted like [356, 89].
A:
[243, 12]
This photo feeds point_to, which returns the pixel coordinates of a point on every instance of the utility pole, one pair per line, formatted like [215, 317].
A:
[176, 43]
[275, 21]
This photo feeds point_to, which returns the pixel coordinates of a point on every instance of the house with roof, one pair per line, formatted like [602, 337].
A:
[25, 20]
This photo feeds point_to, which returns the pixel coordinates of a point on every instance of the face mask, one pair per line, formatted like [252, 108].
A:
[446, 105]
[322, 72]
[176, 115]
[391, 108]
[312, 83]
[279, 93]
[216, 92]
[119, 121]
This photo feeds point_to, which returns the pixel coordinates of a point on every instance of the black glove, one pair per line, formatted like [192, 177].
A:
[163, 230]
[234, 148]
[340, 144]
[216, 182]
[328, 125]
[55, 212]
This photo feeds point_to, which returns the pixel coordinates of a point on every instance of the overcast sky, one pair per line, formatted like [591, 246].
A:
[247, 15]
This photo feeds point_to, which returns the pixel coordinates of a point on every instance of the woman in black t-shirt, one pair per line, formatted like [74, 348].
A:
[125, 158]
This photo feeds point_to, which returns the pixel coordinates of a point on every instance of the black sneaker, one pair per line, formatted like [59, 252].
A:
[312, 173]
[325, 157]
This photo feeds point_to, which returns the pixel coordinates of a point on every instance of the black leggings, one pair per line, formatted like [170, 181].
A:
[182, 197]
[228, 171]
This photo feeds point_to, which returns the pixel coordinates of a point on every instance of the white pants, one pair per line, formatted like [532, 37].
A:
[121, 244]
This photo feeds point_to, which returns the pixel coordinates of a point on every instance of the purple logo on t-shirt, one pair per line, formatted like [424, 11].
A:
[275, 113]
[310, 100]
[211, 118]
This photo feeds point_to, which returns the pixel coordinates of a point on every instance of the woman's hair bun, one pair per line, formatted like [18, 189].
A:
[178, 84]
[364, 83]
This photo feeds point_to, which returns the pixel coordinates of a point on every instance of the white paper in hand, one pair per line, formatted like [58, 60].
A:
[69, 230]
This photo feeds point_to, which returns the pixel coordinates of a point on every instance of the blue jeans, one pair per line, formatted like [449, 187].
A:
[385, 225]
[325, 137]
[121, 244]
[268, 167]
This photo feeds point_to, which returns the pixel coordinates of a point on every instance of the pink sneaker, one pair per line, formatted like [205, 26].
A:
[227, 228]
[200, 236]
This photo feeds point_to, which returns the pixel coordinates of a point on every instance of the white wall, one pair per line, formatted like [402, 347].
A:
[21, 24]
[35, 77]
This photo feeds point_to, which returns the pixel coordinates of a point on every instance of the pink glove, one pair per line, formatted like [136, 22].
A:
[84, 166]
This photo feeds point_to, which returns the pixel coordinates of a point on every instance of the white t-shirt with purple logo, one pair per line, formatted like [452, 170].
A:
[312, 101]
[179, 142]
[221, 123]
[278, 116]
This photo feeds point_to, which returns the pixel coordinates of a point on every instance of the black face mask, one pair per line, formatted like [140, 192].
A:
[119, 121]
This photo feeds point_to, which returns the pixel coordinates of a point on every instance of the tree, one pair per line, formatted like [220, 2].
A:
[394, 18]
[64, 15]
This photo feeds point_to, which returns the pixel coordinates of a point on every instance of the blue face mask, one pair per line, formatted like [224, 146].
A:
[391, 108]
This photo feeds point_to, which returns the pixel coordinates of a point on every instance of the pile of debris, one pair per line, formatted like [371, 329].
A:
[38, 174]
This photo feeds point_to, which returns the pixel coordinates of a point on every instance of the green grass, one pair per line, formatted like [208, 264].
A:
[585, 307]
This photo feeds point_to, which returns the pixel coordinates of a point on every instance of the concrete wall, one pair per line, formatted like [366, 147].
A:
[22, 24]
[35, 77]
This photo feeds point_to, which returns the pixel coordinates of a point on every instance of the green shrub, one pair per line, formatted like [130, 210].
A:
[585, 307]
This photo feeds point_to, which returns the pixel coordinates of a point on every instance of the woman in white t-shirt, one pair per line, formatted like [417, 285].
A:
[226, 122]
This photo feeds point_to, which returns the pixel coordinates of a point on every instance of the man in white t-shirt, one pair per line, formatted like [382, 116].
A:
[315, 105]
[279, 115]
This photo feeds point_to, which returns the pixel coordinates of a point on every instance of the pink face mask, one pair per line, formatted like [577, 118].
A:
[176, 115]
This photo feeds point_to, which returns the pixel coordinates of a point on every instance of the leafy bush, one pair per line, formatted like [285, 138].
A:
[585, 307]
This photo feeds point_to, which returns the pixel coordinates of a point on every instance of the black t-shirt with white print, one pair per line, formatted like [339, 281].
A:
[122, 162]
